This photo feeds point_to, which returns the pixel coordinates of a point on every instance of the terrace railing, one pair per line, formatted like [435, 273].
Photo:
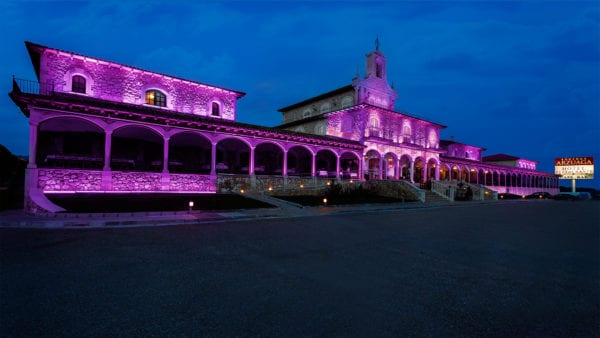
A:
[32, 87]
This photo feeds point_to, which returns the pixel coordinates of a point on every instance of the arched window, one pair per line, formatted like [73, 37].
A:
[215, 109]
[374, 122]
[156, 98]
[78, 84]
[378, 70]
[347, 101]
[306, 114]
[326, 107]
[406, 133]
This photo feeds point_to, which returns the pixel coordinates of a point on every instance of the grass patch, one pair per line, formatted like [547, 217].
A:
[152, 202]
[340, 195]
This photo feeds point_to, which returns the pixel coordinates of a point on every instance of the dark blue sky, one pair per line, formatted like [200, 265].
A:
[521, 78]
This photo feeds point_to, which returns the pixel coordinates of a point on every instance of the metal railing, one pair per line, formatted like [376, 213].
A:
[444, 190]
[32, 87]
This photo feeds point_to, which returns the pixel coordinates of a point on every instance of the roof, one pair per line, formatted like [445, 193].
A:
[499, 158]
[358, 106]
[35, 50]
[317, 98]
[449, 142]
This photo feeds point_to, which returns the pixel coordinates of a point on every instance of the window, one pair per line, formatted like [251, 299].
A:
[325, 108]
[347, 101]
[347, 124]
[306, 114]
[406, 133]
[156, 98]
[215, 109]
[78, 84]
[378, 70]
[320, 130]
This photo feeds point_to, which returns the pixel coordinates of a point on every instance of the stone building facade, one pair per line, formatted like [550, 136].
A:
[100, 126]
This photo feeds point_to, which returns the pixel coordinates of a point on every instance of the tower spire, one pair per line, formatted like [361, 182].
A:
[377, 43]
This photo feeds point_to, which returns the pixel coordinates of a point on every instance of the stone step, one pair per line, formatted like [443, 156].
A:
[431, 197]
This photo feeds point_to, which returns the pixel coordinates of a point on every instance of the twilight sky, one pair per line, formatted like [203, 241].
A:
[521, 78]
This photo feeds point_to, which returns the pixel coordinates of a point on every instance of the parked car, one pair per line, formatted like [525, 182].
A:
[539, 195]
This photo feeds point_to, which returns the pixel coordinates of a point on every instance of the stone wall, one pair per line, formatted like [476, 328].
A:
[136, 181]
[115, 82]
[69, 180]
[314, 108]
[187, 182]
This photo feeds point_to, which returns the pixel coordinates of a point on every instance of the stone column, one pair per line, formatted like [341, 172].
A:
[107, 149]
[337, 167]
[213, 159]
[33, 131]
[284, 170]
[251, 164]
[313, 169]
[425, 173]
[412, 171]
[166, 155]
[437, 172]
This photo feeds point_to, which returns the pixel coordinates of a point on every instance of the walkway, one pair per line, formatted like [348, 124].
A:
[284, 209]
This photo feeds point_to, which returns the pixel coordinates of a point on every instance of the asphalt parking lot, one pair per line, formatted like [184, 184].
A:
[525, 268]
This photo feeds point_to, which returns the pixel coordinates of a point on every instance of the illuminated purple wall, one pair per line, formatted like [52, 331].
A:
[115, 82]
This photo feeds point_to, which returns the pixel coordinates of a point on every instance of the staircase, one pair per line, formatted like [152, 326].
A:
[433, 198]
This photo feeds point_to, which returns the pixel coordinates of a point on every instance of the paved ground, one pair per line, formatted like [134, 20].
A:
[505, 269]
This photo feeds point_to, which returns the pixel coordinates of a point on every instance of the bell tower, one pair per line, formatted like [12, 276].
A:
[374, 88]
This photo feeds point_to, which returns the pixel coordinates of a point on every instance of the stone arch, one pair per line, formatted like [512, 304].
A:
[405, 167]
[472, 176]
[68, 80]
[464, 173]
[390, 166]
[233, 156]
[347, 101]
[455, 172]
[299, 161]
[268, 158]
[373, 165]
[71, 142]
[349, 165]
[432, 164]
[189, 152]
[137, 148]
[326, 163]
[444, 172]
[325, 108]
[419, 167]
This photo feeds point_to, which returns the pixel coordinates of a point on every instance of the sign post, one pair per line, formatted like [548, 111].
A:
[574, 168]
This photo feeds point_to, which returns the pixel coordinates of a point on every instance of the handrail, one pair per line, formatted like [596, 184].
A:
[32, 87]
[444, 190]
[414, 189]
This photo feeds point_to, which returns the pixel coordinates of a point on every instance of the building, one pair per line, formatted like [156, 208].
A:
[100, 126]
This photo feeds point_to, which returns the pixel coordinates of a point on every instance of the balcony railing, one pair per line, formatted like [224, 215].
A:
[32, 87]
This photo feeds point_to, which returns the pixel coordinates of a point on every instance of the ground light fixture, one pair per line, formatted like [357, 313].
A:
[325, 201]
[190, 205]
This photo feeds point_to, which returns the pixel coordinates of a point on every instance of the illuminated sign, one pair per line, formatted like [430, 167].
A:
[574, 168]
